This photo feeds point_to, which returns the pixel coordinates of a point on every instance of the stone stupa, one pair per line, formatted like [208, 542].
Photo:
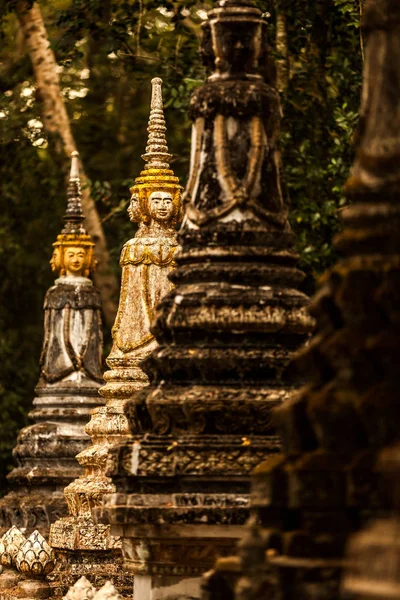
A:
[83, 547]
[70, 377]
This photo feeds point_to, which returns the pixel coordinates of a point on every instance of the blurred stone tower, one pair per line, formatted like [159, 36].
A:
[328, 482]
[226, 332]
[70, 377]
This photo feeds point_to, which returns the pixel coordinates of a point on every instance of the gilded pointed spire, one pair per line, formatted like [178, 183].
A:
[74, 214]
[157, 155]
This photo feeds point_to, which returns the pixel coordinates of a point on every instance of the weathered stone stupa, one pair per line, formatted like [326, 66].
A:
[84, 548]
[226, 332]
[70, 376]
[328, 483]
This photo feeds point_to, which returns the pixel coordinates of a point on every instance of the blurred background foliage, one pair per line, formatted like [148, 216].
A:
[107, 51]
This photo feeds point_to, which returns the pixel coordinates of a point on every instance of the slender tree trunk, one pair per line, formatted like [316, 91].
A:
[361, 29]
[56, 123]
[282, 63]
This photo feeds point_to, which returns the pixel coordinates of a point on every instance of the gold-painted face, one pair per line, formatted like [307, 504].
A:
[161, 206]
[134, 209]
[74, 261]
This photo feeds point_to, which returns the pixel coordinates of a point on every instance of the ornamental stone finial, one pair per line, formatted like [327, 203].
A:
[74, 214]
[10, 544]
[73, 237]
[107, 592]
[35, 557]
[156, 155]
[81, 590]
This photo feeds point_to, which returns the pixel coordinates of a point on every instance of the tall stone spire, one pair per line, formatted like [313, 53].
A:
[226, 332]
[329, 480]
[74, 216]
[70, 376]
[84, 548]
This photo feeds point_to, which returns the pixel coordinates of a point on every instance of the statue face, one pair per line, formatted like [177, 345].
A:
[161, 206]
[134, 208]
[54, 261]
[74, 261]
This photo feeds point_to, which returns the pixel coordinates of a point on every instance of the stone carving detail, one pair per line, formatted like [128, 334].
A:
[146, 261]
[309, 502]
[27, 562]
[107, 592]
[10, 544]
[70, 375]
[226, 332]
[35, 557]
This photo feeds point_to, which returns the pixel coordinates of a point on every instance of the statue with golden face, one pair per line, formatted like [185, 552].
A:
[72, 329]
[148, 258]
[70, 376]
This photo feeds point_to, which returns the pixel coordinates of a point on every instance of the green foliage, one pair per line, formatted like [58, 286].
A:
[320, 108]
[107, 53]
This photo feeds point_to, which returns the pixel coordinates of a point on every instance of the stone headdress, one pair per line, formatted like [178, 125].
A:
[73, 234]
[157, 174]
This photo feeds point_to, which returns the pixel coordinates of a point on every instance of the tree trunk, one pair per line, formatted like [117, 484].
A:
[282, 63]
[56, 123]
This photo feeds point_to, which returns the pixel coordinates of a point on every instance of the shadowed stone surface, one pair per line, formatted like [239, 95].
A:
[328, 482]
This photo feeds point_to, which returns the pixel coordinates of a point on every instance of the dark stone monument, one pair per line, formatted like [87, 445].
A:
[226, 333]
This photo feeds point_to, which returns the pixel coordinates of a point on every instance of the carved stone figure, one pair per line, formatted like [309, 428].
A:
[341, 434]
[226, 332]
[82, 546]
[70, 376]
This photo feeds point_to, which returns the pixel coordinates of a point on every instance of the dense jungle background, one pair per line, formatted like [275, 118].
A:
[106, 53]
